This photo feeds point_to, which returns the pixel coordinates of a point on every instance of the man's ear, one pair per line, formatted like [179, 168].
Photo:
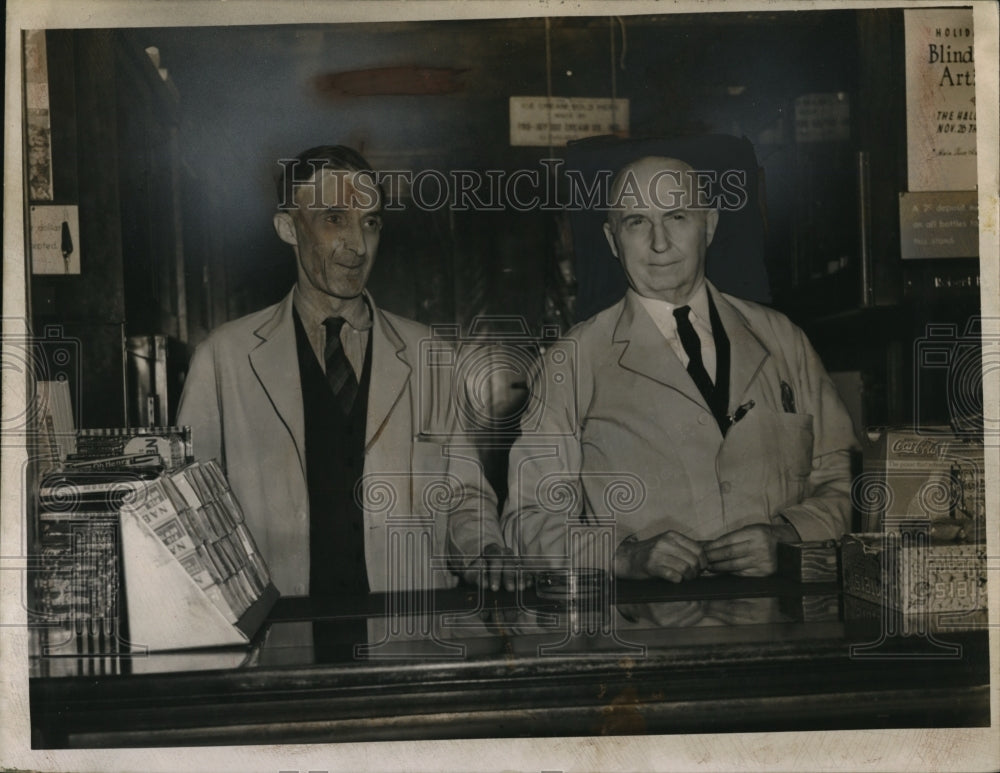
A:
[711, 221]
[284, 226]
[609, 234]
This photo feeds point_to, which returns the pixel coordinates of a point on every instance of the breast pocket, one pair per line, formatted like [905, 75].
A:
[794, 440]
[793, 447]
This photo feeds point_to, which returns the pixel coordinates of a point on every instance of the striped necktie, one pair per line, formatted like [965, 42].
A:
[339, 372]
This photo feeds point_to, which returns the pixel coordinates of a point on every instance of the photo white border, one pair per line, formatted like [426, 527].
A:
[936, 749]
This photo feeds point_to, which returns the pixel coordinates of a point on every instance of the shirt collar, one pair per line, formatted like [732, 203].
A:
[356, 312]
[658, 308]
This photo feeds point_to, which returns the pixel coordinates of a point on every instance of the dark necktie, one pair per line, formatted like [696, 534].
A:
[692, 347]
[339, 372]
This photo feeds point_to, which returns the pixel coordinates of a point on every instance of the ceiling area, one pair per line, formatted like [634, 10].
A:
[434, 95]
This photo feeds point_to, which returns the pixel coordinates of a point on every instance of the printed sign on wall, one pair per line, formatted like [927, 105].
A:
[55, 239]
[37, 120]
[939, 224]
[545, 121]
[940, 100]
[823, 118]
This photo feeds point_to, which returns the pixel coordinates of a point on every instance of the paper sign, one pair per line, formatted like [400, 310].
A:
[940, 100]
[823, 118]
[37, 119]
[544, 121]
[939, 224]
[55, 239]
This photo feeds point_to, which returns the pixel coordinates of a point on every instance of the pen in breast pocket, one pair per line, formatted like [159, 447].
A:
[787, 398]
[740, 412]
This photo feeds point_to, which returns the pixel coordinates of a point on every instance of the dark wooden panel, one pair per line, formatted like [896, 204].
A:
[85, 169]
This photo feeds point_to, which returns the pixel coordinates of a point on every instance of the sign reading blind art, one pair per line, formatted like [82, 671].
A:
[940, 100]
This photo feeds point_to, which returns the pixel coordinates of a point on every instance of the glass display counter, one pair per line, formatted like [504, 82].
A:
[712, 655]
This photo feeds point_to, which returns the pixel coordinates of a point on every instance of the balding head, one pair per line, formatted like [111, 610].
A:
[659, 226]
[658, 181]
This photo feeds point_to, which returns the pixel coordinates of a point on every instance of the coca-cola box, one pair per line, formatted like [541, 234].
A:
[930, 474]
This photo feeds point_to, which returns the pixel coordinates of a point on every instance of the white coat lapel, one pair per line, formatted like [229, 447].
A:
[648, 353]
[746, 352]
[275, 363]
[389, 375]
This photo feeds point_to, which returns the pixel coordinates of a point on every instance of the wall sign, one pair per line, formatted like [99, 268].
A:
[939, 224]
[544, 121]
[55, 239]
[823, 117]
[940, 100]
[37, 120]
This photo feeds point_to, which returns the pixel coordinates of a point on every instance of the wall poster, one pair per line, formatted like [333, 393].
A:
[940, 100]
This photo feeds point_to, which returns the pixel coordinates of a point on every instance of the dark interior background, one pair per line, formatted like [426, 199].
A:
[250, 95]
[174, 178]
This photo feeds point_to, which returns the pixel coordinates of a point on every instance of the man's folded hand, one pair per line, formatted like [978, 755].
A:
[751, 551]
[669, 555]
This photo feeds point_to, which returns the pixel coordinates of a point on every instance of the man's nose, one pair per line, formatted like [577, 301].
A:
[354, 239]
[661, 239]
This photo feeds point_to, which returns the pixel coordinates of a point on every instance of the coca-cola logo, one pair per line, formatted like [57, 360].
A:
[914, 447]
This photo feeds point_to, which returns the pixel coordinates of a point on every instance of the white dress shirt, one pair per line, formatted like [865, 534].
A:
[662, 313]
[353, 335]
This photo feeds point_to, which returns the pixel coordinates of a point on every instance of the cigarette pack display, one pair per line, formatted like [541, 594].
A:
[231, 508]
[914, 575]
[223, 557]
[188, 493]
[57, 436]
[157, 501]
[246, 541]
[210, 563]
[96, 490]
[183, 530]
[172, 444]
[244, 599]
[257, 568]
[75, 583]
[195, 524]
[215, 594]
[45, 447]
[195, 566]
[75, 587]
[173, 534]
[125, 461]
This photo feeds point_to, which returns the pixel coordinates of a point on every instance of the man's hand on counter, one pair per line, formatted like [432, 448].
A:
[497, 565]
[751, 551]
[669, 555]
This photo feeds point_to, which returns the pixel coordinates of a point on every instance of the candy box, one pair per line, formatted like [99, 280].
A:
[808, 561]
[914, 575]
